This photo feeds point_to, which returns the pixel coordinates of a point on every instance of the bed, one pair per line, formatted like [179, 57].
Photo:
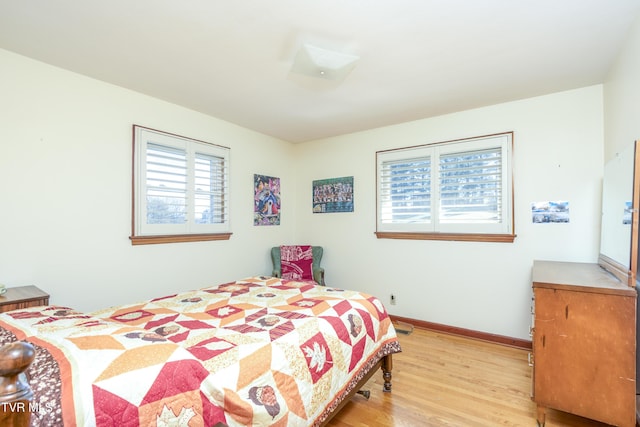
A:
[260, 351]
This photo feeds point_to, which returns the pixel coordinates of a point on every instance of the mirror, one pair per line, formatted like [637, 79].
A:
[619, 236]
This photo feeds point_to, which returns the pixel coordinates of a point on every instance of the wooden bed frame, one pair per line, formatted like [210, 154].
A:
[16, 395]
[386, 364]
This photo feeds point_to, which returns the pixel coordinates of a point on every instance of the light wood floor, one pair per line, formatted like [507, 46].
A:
[445, 380]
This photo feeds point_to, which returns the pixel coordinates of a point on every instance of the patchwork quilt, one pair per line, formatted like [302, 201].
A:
[110, 377]
[260, 351]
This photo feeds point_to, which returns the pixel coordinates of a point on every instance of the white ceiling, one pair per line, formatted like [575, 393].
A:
[231, 59]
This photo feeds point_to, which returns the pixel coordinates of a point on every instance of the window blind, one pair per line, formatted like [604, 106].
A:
[457, 187]
[166, 184]
[181, 188]
[470, 185]
[210, 176]
[405, 191]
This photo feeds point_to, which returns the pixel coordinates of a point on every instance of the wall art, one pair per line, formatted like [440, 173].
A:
[627, 215]
[266, 198]
[547, 212]
[333, 195]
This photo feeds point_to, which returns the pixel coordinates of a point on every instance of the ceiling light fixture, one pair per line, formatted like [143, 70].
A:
[326, 64]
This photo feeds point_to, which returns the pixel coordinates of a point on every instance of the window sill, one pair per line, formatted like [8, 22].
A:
[461, 237]
[178, 238]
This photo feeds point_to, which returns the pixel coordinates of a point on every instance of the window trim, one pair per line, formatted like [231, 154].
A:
[138, 237]
[507, 237]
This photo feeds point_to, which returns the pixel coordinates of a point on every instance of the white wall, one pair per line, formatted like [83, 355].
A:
[622, 97]
[65, 178]
[65, 191]
[558, 155]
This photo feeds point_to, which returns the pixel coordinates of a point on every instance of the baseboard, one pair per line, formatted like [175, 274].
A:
[469, 333]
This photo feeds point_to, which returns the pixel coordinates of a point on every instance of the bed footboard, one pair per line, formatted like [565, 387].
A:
[385, 364]
[15, 393]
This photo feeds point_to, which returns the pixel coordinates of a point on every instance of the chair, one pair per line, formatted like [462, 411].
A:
[318, 272]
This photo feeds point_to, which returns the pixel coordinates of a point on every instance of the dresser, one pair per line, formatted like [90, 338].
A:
[22, 297]
[584, 343]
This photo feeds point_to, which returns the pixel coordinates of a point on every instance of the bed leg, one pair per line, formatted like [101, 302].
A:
[365, 393]
[15, 393]
[387, 365]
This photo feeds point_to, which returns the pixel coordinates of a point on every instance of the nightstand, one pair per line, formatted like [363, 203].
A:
[22, 297]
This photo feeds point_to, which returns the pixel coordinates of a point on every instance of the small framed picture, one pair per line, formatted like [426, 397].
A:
[333, 195]
[548, 212]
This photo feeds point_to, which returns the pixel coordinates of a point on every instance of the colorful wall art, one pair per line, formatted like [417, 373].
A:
[333, 195]
[266, 197]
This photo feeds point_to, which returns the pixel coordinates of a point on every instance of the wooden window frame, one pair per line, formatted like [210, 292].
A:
[137, 209]
[507, 237]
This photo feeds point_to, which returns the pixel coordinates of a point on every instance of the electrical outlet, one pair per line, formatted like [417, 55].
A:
[393, 299]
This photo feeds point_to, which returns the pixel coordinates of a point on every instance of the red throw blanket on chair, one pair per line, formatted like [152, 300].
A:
[297, 262]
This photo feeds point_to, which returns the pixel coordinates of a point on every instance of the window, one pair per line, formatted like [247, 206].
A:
[456, 190]
[180, 189]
